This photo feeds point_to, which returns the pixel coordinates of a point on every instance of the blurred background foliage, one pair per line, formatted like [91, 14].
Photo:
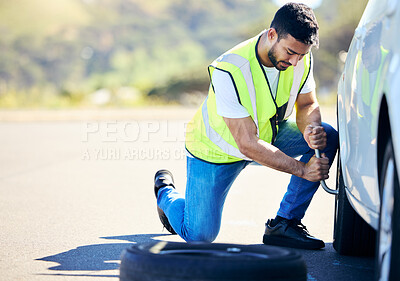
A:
[79, 53]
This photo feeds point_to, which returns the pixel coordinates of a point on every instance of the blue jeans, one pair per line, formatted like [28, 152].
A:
[197, 215]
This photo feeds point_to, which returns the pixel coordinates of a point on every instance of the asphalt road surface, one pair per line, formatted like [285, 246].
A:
[75, 192]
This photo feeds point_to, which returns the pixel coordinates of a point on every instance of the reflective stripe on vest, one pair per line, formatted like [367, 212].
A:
[294, 91]
[244, 66]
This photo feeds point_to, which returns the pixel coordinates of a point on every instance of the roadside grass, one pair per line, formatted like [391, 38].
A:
[39, 99]
[42, 99]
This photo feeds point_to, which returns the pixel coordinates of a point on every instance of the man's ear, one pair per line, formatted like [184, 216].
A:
[272, 34]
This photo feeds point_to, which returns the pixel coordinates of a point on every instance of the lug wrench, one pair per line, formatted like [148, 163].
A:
[323, 184]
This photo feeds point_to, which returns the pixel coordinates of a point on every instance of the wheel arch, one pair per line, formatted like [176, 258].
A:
[384, 133]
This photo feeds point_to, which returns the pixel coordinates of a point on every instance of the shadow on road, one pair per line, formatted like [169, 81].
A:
[323, 264]
[96, 257]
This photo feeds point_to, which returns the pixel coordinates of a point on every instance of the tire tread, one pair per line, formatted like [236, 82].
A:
[352, 235]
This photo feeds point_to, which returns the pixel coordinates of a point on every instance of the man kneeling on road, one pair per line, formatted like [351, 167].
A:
[253, 90]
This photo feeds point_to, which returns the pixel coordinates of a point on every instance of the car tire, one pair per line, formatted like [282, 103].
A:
[388, 242]
[352, 235]
[172, 261]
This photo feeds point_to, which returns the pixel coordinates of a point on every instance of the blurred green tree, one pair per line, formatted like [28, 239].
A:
[71, 48]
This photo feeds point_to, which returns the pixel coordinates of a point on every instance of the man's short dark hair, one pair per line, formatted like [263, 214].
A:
[299, 21]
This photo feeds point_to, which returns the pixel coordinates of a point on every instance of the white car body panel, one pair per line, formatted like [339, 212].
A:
[371, 74]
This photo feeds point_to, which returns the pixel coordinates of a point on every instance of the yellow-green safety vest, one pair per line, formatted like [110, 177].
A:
[207, 135]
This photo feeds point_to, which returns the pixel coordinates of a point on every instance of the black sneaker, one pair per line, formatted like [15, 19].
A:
[290, 233]
[161, 179]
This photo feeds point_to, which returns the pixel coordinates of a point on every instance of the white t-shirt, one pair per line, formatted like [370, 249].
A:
[227, 101]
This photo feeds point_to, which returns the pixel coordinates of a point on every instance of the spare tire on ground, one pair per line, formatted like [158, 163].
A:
[172, 261]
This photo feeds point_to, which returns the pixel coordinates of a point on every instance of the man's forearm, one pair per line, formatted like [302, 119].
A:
[268, 155]
[308, 115]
